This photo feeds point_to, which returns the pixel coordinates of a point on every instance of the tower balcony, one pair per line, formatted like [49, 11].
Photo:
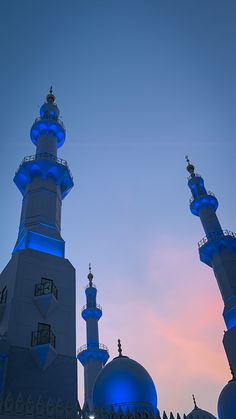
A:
[48, 126]
[88, 311]
[44, 165]
[93, 351]
[203, 201]
[46, 296]
[43, 337]
[213, 243]
[43, 344]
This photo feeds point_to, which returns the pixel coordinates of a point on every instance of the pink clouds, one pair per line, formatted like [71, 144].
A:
[169, 320]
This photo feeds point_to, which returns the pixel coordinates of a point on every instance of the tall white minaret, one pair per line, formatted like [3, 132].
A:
[37, 287]
[218, 250]
[94, 355]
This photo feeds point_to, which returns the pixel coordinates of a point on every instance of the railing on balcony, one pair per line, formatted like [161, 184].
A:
[208, 193]
[93, 347]
[91, 307]
[93, 285]
[46, 287]
[3, 296]
[214, 236]
[43, 337]
[46, 156]
[195, 175]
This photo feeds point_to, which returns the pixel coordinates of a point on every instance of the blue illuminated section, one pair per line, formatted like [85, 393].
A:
[92, 312]
[48, 126]
[230, 317]
[123, 383]
[93, 352]
[206, 201]
[41, 243]
[42, 165]
[213, 245]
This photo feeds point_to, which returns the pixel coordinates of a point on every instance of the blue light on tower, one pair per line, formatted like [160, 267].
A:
[218, 250]
[43, 177]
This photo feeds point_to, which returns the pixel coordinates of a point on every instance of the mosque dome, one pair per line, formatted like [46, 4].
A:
[227, 401]
[198, 413]
[124, 383]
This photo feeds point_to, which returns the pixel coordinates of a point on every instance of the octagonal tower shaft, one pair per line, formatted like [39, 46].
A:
[218, 250]
[93, 356]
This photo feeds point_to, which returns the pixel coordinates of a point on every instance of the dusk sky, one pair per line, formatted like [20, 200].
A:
[140, 84]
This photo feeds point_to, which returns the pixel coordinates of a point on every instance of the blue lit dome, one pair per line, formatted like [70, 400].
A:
[125, 383]
[227, 401]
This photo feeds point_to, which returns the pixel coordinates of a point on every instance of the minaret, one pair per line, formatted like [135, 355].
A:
[37, 298]
[218, 250]
[44, 180]
[94, 355]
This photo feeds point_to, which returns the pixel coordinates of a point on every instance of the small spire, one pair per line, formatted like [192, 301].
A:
[119, 348]
[194, 402]
[190, 167]
[50, 97]
[90, 276]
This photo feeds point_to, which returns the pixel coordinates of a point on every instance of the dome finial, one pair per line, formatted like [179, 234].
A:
[194, 402]
[119, 348]
[190, 167]
[90, 276]
[50, 97]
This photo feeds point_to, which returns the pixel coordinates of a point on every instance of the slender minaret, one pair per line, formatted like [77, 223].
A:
[37, 298]
[218, 250]
[94, 355]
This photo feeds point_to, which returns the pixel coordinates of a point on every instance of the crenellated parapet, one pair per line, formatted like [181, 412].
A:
[14, 407]
[119, 414]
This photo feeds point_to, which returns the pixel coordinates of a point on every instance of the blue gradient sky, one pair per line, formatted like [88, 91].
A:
[139, 84]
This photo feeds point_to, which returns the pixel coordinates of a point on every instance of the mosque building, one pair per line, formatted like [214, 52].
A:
[38, 361]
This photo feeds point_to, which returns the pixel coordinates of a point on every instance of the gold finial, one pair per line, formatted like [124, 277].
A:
[90, 276]
[119, 348]
[187, 159]
[194, 402]
[190, 167]
[50, 97]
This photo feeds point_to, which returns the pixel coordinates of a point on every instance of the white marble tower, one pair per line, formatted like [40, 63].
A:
[37, 287]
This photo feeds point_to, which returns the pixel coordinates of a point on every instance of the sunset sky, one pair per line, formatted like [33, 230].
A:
[140, 84]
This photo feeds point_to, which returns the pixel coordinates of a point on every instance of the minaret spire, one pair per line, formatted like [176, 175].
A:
[90, 276]
[194, 402]
[218, 250]
[119, 348]
[94, 355]
[50, 97]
